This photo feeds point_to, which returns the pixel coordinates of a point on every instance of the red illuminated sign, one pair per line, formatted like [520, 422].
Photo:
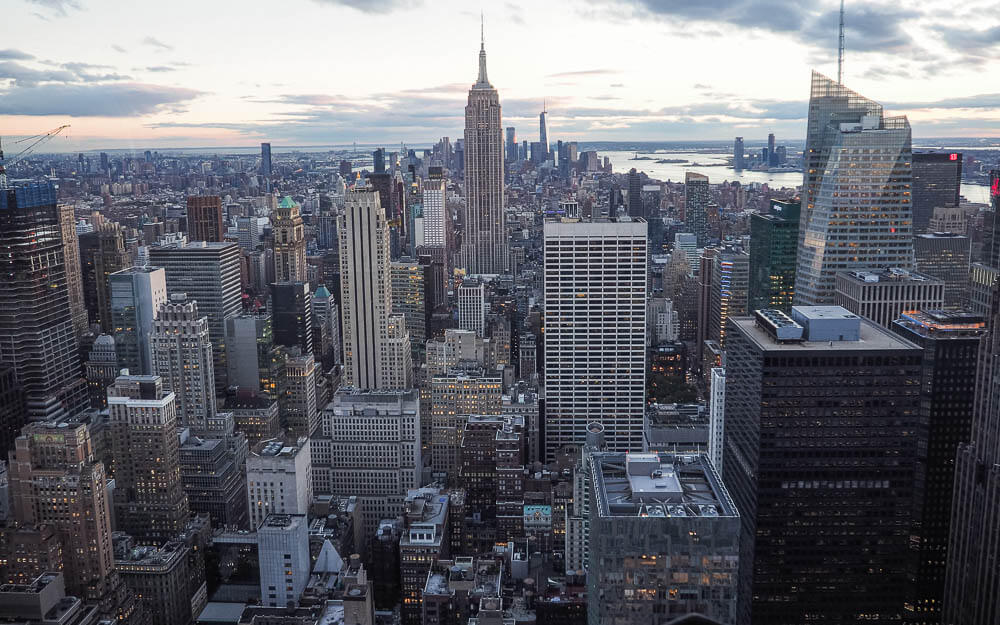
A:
[953, 157]
[995, 186]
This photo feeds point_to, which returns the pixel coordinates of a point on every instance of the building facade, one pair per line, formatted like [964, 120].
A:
[136, 296]
[773, 246]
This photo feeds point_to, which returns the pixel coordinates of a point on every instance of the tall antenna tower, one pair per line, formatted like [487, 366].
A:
[840, 48]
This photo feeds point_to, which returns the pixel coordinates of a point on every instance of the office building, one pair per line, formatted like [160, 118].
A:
[823, 374]
[729, 291]
[100, 370]
[937, 183]
[149, 501]
[378, 161]
[182, 358]
[949, 341]
[298, 404]
[279, 478]
[635, 194]
[289, 242]
[291, 315]
[947, 257]
[57, 482]
[852, 151]
[204, 219]
[36, 325]
[255, 414]
[543, 132]
[472, 307]
[773, 245]
[136, 296]
[160, 576]
[208, 273]
[485, 243]
[511, 144]
[283, 552]
[265, 165]
[738, 152]
[409, 282]
[105, 254]
[595, 332]
[255, 362]
[214, 479]
[74, 271]
[370, 447]
[717, 419]
[456, 349]
[972, 586]
[452, 399]
[991, 225]
[373, 358]
[881, 295]
[664, 540]
[326, 328]
[11, 409]
[436, 217]
[424, 541]
[696, 200]
[42, 599]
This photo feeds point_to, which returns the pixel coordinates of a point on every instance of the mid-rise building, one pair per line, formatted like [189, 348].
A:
[852, 151]
[214, 479]
[456, 348]
[136, 296]
[947, 257]
[204, 219]
[149, 500]
[255, 415]
[452, 399]
[182, 358]
[881, 295]
[595, 332]
[279, 478]
[37, 337]
[821, 377]
[773, 246]
[283, 552]
[160, 577]
[664, 540]
[424, 540]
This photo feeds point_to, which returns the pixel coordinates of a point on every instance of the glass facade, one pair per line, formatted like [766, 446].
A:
[773, 248]
[937, 180]
[856, 190]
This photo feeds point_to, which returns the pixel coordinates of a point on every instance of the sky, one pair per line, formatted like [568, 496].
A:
[227, 73]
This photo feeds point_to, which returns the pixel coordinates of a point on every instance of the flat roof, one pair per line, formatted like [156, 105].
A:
[872, 337]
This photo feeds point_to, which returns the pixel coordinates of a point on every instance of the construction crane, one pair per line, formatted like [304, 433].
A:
[35, 140]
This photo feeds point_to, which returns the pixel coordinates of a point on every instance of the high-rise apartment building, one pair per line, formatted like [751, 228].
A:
[664, 540]
[827, 375]
[947, 257]
[279, 478]
[950, 341]
[972, 583]
[36, 324]
[208, 273]
[882, 295]
[375, 356]
[856, 210]
[204, 218]
[289, 242]
[937, 183]
[149, 501]
[729, 290]
[696, 200]
[182, 358]
[773, 245]
[74, 272]
[485, 239]
[472, 307]
[595, 332]
[136, 296]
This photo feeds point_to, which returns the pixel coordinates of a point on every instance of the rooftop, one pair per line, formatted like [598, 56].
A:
[870, 337]
[890, 275]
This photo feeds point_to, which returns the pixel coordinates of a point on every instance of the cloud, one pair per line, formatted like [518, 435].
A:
[982, 101]
[11, 54]
[156, 43]
[977, 42]
[58, 7]
[23, 75]
[373, 6]
[118, 48]
[158, 68]
[585, 72]
[99, 100]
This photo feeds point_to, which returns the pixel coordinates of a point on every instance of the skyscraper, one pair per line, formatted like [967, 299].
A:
[111, 255]
[771, 156]
[289, 243]
[823, 375]
[773, 245]
[100, 370]
[150, 503]
[511, 144]
[74, 272]
[738, 152]
[635, 194]
[208, 273]
[950, 341]
[36, 325]
[543, 131]
[255, 361]
[856, 210]
[595, 332]
[378, 161]
[729, 290]
[182, 358]
[945, 256]
[435, 215]
[366, 295]
[298, 403]
[696, 199]
[291, 314]
[136, 296]
[972, 585]
[472, 307]
[937, 183]
[204, 218]
[485, 239]
[265, 165]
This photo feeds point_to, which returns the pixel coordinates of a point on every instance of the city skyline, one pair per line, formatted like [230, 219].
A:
[223, 81]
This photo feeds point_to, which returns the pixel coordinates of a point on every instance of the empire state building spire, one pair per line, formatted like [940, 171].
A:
[483, 82]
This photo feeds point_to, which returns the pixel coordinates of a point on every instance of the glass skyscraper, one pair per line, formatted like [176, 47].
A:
[773, 248]
[856, 210]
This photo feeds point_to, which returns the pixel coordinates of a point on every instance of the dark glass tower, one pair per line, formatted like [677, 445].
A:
[937, 181]
[635, 194]
[819, 457]
[291, 312]
[36, 324]
[773, 248]
[950, 341]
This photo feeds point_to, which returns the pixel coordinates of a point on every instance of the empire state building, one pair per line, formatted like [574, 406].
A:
[485, 246]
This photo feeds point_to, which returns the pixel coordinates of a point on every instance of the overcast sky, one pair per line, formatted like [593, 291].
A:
[314, 72]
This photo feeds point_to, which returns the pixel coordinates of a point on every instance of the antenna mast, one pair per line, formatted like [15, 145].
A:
[840, 48]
